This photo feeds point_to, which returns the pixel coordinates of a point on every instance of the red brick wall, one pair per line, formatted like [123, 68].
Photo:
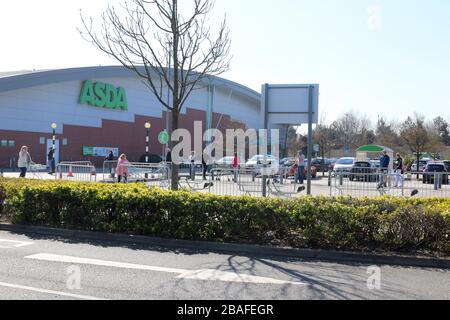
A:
[128, 137]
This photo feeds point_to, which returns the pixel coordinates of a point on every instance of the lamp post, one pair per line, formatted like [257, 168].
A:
[54, 127]
[147, 141]
[52, 164]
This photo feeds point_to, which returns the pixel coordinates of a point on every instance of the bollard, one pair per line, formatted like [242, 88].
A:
[436, 182]
[329, 178]
[440, 181]
[264, 186]
[341, 180]
[193, 172]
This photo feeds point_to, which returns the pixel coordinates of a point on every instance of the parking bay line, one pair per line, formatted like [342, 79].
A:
[204, 274]
[39, 290]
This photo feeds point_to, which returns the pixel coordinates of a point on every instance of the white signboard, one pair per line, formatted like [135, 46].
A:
[289, 104]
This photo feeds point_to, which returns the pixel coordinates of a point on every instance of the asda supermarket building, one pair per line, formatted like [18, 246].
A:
[31, 101]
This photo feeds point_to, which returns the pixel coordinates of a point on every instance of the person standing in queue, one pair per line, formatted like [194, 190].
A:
[399, 172]
[122, 169]
[52, 161]
[385, 161]
[235, 166]
[24, 161]
[108, 161]
[301, 167]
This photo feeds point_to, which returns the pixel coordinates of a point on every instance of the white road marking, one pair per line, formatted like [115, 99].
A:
[58, 293]
[216, 275]
[205, 275]
[103, 263]
[14, 244]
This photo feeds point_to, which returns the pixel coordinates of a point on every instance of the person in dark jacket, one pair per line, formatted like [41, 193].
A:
[385, 160]
[51, 159]
[398, 169]
[110, 156]
[109, 159]
[169, 155]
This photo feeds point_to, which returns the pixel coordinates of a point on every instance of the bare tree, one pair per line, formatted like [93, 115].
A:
[152, 32]
[415, 135]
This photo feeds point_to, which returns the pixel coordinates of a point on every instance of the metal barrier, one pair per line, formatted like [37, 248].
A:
[433, 184]
[76, 172]
[37, 170]
[138, 172]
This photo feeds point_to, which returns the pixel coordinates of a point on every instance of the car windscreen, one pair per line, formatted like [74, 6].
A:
[345, 161]
[436, 168]
[362, 165]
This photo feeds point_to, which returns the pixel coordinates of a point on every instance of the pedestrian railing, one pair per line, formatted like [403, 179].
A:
[75, 172]
[372, 184]
[138, 172]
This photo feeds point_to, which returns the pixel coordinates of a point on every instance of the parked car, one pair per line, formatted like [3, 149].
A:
[363, 170]
[431, 169]
[287, 162]
[226, 163]
[344, 165]
[447, 165]
[255, 164]
[422, 165]
[333, 163]
[322, 164]
[375, 163]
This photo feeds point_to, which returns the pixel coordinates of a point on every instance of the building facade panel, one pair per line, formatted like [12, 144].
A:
[30, 103]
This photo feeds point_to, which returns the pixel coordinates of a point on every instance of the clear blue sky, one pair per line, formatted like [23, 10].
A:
[386, 57]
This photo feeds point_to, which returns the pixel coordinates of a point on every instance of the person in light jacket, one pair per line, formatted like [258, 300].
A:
[24, 161]
[122, 169]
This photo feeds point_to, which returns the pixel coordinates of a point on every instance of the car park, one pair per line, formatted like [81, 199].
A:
[433, 169]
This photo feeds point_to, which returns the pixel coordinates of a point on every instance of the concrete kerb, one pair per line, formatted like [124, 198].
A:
[241, 249]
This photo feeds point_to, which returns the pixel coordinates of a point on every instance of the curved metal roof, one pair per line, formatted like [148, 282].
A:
[12, 81]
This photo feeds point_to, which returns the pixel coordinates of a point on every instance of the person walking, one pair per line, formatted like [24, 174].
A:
[205, 167]
[24, 161]
[235, 166]
[192, 166]
[399, 171]
[122, 169]
[51, 160]
[301, 168]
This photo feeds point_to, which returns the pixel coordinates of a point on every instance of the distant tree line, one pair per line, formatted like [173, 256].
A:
[411, 137]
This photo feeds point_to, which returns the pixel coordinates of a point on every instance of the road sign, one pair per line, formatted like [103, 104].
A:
[163, 137]
[316, 148]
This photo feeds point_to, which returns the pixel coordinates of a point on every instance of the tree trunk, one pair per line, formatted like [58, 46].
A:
[175, 167]
[418, 167]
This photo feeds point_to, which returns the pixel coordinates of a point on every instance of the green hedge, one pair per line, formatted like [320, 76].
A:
[308, 222]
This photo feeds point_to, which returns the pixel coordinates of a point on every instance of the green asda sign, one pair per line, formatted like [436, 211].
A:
[103, 95]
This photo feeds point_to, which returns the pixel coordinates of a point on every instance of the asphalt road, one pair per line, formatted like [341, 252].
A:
[40, 267]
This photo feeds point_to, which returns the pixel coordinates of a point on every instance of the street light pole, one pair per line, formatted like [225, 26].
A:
[52, 164]
[54, 126]
[147, 142]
